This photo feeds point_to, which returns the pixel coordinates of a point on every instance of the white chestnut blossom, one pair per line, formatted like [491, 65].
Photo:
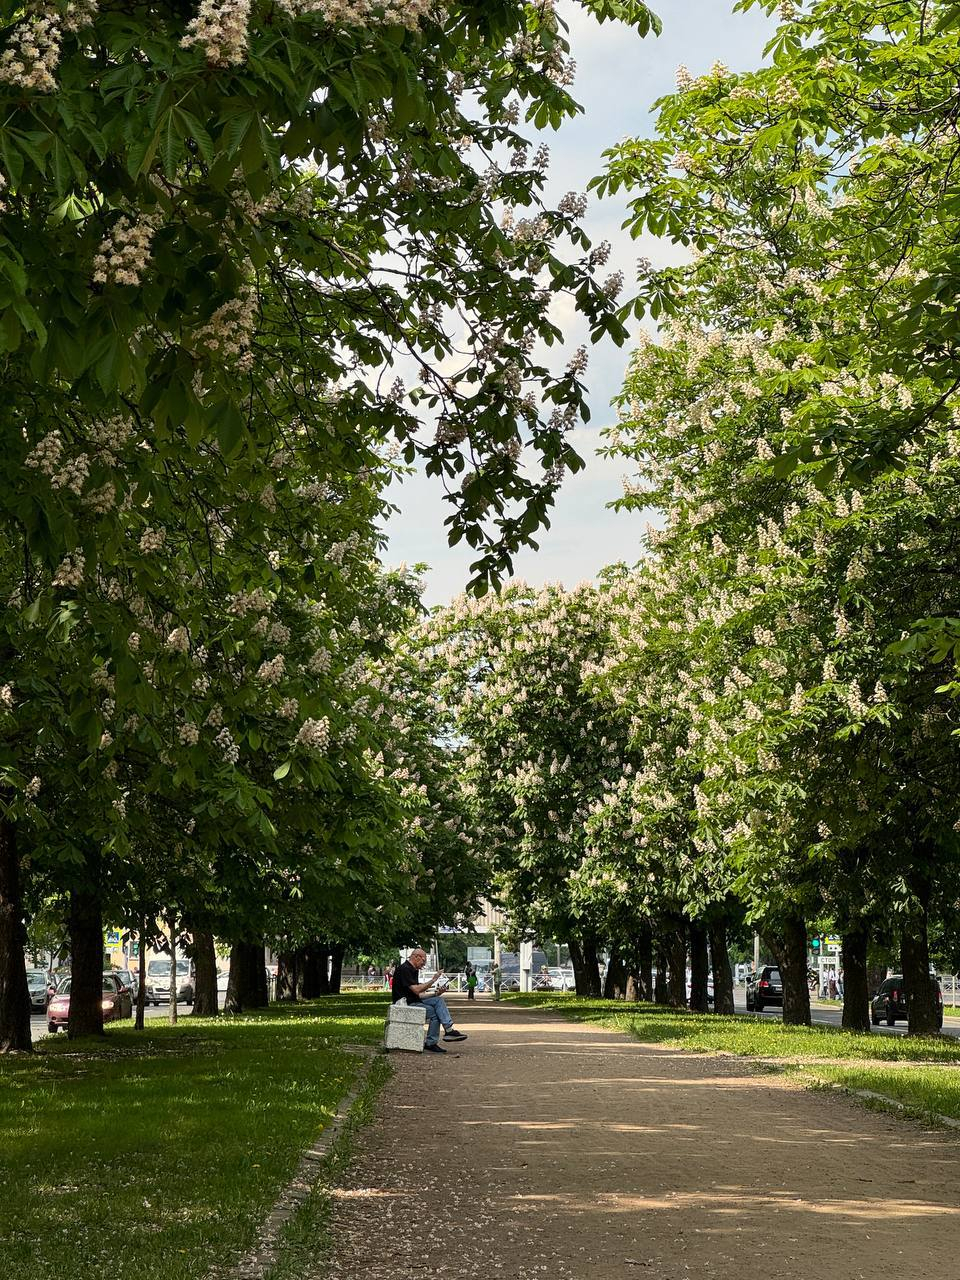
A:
[124, 252]
[314, 735]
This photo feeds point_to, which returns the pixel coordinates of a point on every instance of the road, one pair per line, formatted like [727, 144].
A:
[829, 1016]
[38, 1021]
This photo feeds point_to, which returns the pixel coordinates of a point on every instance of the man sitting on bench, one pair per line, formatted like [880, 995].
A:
[407, 986]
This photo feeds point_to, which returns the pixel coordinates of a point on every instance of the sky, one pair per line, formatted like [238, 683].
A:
[619, 77]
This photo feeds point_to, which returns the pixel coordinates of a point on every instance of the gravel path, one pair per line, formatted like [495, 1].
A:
[547, 1148]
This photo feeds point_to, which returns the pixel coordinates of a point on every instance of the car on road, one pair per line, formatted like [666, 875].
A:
[709, 989]
[37, 987]
[889, 1005]
[158, 982]
[765, 987]
[55, 980]
[562, 980]
[116, 1003]
[128, 980]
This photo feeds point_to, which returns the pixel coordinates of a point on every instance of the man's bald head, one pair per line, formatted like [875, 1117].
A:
[418, 957]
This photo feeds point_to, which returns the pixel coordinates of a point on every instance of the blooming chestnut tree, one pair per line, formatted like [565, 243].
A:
[539, 752]
[825, 748]
[230, 269]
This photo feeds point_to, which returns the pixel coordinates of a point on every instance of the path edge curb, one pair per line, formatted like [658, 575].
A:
[264, 1254]
[884, 1102]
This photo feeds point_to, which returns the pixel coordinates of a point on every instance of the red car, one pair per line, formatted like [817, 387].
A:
[117, 1003]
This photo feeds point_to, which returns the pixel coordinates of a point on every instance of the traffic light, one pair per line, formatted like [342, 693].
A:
[815, 945]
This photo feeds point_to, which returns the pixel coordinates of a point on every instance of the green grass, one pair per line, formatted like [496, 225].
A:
[305, 1241]
[747, 1036]
[158, 1152]
[928, 1091]
[921, 1073]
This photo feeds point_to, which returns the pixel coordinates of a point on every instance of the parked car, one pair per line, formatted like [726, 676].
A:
[890, 1003]
[55, 981]
[561, 979]
[116, 1003]
[158, 982]
[764, 987]
[709, 989]
[37, 986]
[129, 980]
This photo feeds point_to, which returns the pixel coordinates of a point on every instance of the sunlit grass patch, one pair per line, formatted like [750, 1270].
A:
[920, 1073]
[161, 1150]
[747, 1036]
[928, 1090]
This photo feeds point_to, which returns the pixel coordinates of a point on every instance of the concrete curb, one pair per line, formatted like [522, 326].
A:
[255, 1264]
[891, 1104]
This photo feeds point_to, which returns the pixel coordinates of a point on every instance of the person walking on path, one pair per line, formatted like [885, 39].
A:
[496, 978]
[407, 986]
[471, 983]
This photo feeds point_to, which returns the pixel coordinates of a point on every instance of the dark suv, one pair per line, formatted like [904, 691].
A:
[890, 1002]
[764, 987]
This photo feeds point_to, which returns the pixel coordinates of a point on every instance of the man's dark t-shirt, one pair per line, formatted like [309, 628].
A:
[404, 978]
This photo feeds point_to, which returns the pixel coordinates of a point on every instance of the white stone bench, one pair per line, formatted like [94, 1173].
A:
[406, 1027]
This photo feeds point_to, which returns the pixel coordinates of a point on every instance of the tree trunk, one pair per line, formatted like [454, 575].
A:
[676, 949]
[856, 991]
[790, 948]
[581, 968]
[86, 961]
[323, 968]
[722, 973]
[203, 953]
[141, 975]
[644, 962]
[615, 984]
[246, 986]
[336, 967]
[258, 974]
[314, 968]
[923, 1013]
[15, 1031]
[661, 991]
[699, 968]
[591, 964]
[174, 980]
[287, 975]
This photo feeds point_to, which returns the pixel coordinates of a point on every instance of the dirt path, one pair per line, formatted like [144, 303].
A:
[551, 1149]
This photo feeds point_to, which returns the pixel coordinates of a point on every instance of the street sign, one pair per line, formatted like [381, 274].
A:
[475, 954]
[112, 938]
[833, 944]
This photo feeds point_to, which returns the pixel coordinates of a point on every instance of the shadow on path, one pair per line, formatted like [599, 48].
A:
[547, 1148]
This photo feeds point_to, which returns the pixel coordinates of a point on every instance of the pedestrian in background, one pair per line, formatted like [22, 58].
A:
[471, 981]
[496, 978]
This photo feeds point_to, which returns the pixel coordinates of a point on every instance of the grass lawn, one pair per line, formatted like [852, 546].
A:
[928, 1090]
[158, 1152]
[922, 1072]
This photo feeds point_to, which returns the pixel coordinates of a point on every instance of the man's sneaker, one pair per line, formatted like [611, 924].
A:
[454, 1035]
[434, 1048]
